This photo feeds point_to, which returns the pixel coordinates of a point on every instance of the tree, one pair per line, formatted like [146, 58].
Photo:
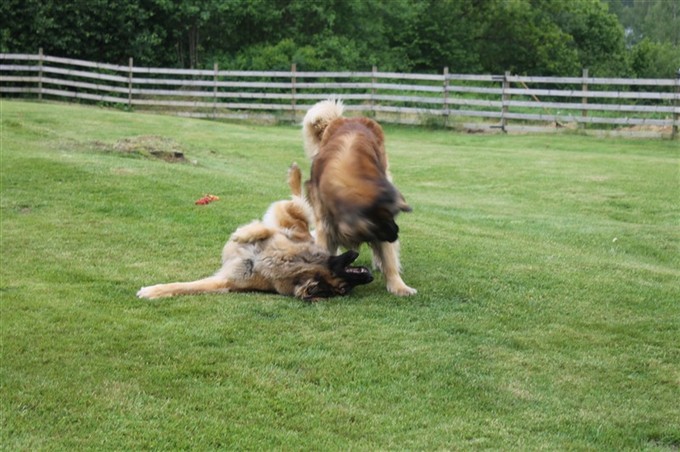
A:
[662, 22]
[652, 31]
[598, 36]
[522, 36]
[650, 59]
[543, 37]
[443, 33]
[105, 30]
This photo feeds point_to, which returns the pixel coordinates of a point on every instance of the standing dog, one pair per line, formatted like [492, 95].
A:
[276, 254]
[351, 189]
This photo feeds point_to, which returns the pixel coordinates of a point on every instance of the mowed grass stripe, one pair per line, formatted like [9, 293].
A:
[547, 315]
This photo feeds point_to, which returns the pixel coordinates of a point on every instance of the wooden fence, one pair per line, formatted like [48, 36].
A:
[474, 102]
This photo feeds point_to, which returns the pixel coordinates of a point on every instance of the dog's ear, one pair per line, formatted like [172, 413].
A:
[390, 197]
[401, 203]
[345, 276]
[337, 264]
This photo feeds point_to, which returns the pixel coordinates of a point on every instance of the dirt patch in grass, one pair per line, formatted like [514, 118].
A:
[151, 146]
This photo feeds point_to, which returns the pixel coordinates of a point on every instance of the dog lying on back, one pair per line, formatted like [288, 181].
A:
[276, 254]
[351, 189]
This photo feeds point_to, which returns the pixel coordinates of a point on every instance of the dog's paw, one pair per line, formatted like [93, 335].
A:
[401, 290]
[251, 233]
[149, 292]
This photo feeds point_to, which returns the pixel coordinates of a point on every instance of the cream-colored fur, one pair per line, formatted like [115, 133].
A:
[315, 122]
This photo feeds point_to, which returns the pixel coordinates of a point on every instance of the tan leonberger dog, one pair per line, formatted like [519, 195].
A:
[350, 188]
[276, 254]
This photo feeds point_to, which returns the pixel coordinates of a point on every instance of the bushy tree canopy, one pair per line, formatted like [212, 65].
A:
[652, 33]
[546, 37]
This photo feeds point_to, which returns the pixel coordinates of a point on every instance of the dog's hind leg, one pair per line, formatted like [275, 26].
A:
[386, 255]
[212, 284]
[252, 232]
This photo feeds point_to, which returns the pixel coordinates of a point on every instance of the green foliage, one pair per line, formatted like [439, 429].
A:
[597, 35]
[652, 32]
[278, 57]
[95, 30]
[440, 33]
[650, 59]
[541, 37]
[663, 22]
[656, 20]
[522, 38]
[546, 318]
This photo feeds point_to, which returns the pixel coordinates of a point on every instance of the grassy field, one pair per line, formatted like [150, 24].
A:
[547, 317]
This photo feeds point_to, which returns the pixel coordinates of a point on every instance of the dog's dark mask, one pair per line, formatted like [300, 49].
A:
[339, 279]
[342, 278]
[353, 276]
[382, 213]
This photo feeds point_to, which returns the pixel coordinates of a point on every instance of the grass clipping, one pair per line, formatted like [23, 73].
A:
[152, 146]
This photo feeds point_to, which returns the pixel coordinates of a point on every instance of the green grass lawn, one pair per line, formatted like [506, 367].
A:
[547, 317]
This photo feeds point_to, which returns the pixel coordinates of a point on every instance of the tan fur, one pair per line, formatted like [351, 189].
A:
[350, 188]
[292, 217]
[276, 254]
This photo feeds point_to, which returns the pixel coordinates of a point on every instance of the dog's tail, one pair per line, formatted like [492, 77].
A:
[297, 215]
[316, 120]
[295, 179]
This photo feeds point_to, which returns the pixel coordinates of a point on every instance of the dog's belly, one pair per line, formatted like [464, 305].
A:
[239, 266]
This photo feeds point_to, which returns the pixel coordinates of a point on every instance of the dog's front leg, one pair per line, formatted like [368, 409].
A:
[325, 240]
[386, 255]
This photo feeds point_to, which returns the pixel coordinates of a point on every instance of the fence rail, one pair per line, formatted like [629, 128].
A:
[506, 102]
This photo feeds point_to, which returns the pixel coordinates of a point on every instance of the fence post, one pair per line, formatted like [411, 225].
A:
[446, 96]
[130, 84]
[505, 98]
[373, 91]
[216, 69]
[584, 99]
[41, 56]
[293, 69]
[676, 114]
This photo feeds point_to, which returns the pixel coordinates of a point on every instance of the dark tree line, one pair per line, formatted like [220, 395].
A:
[541, 37]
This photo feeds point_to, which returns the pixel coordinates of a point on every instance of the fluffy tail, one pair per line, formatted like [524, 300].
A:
[295, 179]
[316, 120]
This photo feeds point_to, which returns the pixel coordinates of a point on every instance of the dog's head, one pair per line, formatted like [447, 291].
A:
[337, 277]
[378, 220]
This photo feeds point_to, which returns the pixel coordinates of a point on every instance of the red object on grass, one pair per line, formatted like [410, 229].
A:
[207, 199]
